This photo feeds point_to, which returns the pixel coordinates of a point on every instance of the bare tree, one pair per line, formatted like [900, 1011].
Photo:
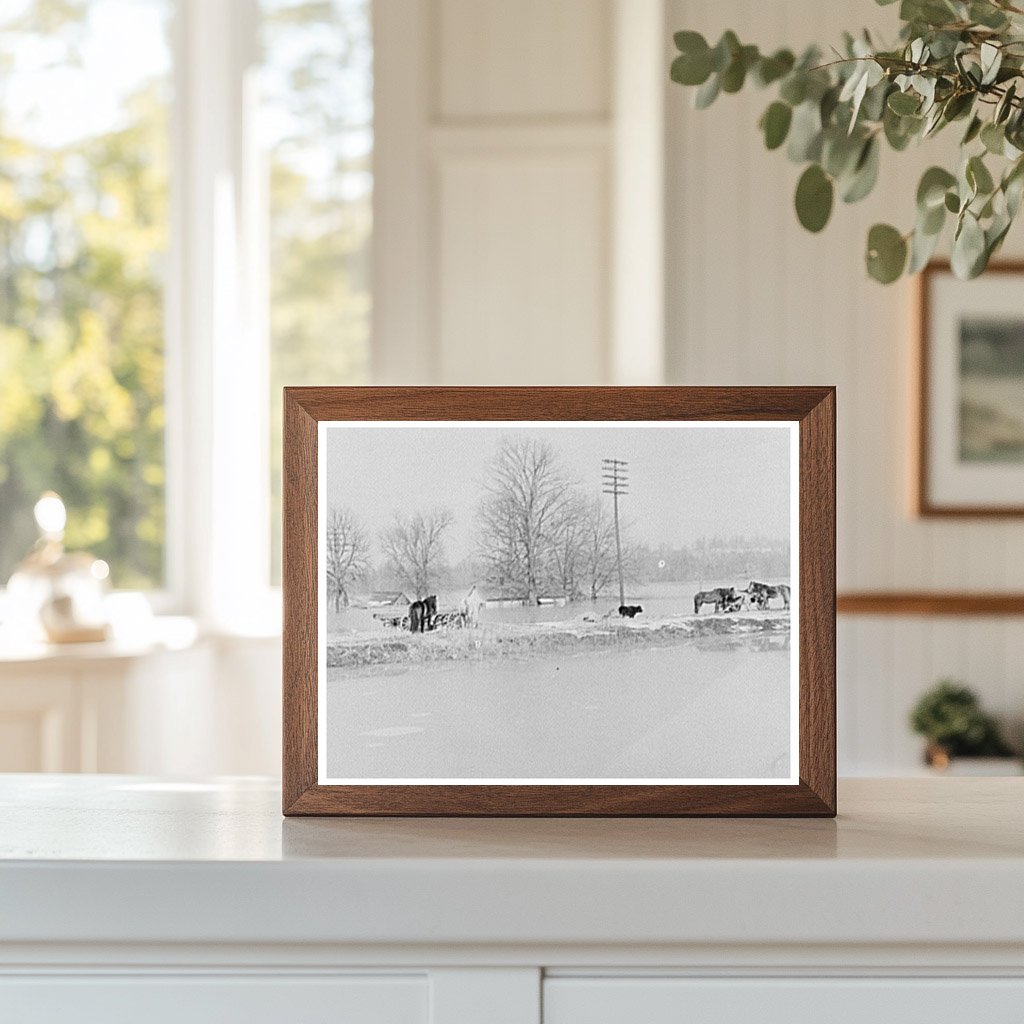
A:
[413, 548]
[346, 555]
[568, 550]
[524, 500]
[598, 547]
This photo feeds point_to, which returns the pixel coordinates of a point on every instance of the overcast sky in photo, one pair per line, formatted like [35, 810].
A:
[685, 482]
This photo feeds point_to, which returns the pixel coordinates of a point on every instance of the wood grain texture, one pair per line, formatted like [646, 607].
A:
[925, 603]
[924, 505]
[299, 596]
[813, 408]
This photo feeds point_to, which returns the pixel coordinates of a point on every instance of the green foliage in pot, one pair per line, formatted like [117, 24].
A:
[957, 62]
[950, 717]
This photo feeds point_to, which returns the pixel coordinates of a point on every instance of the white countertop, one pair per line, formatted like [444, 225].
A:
[123, 859]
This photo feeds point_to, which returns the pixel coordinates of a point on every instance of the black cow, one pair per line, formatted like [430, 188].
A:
[630, 611]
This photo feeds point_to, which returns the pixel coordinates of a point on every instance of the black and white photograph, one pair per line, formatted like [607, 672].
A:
[565, 602]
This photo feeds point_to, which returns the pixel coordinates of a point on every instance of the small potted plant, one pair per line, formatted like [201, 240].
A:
[950, 717]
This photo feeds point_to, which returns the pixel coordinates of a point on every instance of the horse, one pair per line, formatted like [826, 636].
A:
[470, 606]
[720, 597]
[762, 593]
[422, 614]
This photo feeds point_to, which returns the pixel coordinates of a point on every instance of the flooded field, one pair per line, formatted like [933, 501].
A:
[713, 706]
[657, 600]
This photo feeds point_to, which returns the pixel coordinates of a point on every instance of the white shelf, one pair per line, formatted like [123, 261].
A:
[121, 859]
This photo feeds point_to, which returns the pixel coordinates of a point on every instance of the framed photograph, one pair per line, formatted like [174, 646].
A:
[559, 601]
[970, 450]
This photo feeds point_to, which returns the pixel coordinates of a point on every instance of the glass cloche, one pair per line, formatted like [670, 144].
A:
[56, 595]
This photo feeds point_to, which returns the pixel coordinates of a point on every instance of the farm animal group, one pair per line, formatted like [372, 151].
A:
[729, 599]
[423, 616]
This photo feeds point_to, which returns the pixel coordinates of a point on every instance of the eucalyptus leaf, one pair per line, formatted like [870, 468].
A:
[840, 152]
[973, 130]
[968, 248]
[1005, 105]
[814, 196]
[904, 103]
[993, 138]
[707, 93]
[900, 130]
[886, 253]
[957, 106]
[794, 88]
[987, 15]
[932, 221]
[735, 74]
[771, 69]
[931, 190]
[873, 106]
[724, 51]
[805, 133]
[932, 122]
[1013, 187]
[922, 248]
[691, 70]
[865, 173]
[991, 60]
[827, 106]
[775, 124]
[978, 176]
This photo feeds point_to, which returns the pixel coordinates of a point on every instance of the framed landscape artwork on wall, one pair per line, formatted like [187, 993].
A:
[559, 601]
[970, 451]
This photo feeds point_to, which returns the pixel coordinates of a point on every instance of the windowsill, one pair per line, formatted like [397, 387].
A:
[161, 633]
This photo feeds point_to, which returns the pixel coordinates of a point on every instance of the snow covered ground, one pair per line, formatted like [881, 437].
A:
[670, 697]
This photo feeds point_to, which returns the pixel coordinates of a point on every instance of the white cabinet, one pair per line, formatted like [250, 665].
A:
[200, 999]
[133, 899]
[650, 1000]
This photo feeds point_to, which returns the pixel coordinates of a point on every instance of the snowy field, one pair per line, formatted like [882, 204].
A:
[678, 696]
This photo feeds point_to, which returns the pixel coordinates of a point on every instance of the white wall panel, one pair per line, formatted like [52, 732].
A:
[754, 299]
[522, 282]
[530, 58]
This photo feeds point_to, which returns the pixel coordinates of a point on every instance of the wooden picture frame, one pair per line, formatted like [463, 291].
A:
[936, 479]
[810, 788]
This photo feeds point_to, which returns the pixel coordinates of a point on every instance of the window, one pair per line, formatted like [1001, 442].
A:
[83, 236]
[199, 164]
[317, 117]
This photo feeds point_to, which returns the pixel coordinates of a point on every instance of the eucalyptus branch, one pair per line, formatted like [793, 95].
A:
[955, 59]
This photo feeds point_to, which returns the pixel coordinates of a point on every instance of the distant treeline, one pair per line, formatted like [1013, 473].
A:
[708, 560]
[715, 559]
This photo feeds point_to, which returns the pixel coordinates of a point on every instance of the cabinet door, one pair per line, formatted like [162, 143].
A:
[202, 999]
[783, 1000]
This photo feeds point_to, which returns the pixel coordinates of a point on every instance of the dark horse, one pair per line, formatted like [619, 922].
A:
[422, 614]
[720, 597]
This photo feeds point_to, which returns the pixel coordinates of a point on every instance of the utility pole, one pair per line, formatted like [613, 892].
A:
[615, 481]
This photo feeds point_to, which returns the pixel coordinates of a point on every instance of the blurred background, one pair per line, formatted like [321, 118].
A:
[202, 201]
